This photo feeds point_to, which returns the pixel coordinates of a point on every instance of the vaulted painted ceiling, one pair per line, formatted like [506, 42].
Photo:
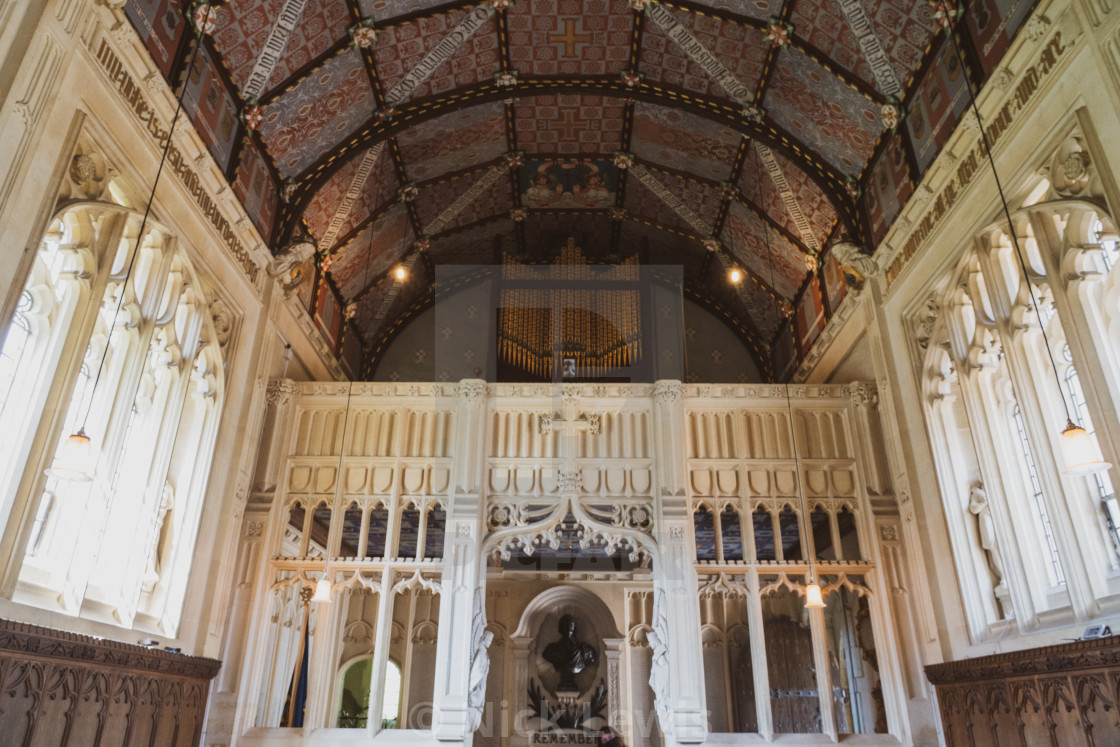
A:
[421, 133]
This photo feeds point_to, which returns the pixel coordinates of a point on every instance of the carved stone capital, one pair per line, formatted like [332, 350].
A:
[472, 391]
[281, 392]
[863, 394]
[667, 392]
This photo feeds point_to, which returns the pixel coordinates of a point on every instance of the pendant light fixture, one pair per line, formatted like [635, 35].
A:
[1081, 454]
[814, 599]
[74, 459]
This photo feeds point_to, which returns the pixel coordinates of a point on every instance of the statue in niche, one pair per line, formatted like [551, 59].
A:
[978, 506]
[569, 656]
[986, 527]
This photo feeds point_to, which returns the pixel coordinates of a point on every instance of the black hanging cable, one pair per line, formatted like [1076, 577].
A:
[147, 212]
[951, 31]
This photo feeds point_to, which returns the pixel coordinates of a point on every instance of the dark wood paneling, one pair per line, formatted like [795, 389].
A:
[1063, 695]
[59, 688]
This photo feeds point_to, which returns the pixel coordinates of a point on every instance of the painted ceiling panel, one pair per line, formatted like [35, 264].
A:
[759, 10]
[823, 25]
[256, 189]
[740, 48]
[319, 27]
[569, 37]
[661, 247]
[905, 29]
[454, 141]
[567, 52]
[370, 303]
[756, 185]
[569, 124]
[644, 204]
[683, 141]
[702, 198]
[380, 188]
[244, 26]
[746, 237]
[545, 232]
[835, 120]
[436, 197]
[323, 205]
[474, 246]
[497, 200]
[392, 235]
[379, 10]
[399, 49]
[749, 295]
[318, 114]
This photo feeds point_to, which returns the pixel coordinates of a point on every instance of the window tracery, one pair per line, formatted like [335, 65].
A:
[146, 381]
[994, 409]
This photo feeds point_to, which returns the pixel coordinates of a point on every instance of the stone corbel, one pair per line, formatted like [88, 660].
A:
[856, 266]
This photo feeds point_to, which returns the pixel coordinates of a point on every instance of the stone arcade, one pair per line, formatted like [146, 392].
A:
[424, 409]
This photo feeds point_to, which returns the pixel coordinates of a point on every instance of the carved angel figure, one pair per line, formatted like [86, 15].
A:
[291, 255]
[855, 265]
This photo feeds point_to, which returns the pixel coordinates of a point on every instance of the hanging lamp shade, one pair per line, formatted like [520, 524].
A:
[74, 460]
[813, 597]
[1081, 453]
[322, 591]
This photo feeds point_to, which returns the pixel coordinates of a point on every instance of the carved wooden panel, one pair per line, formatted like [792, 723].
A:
[59, 688]
[1064, 694]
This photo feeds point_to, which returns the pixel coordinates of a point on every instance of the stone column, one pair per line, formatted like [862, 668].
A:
[521, 715]
[677, 675]
[462, 615]
[612, 649]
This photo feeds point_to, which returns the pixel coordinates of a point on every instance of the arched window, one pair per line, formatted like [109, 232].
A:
[1034, 486]
[15, 345]
[1100, 481]
[134, 358]
[391, 696]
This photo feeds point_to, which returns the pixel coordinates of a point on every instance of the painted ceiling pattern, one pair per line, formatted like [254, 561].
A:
[570, 124]
[563, 95]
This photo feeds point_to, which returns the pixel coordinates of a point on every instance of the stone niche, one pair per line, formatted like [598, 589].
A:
[537, 683]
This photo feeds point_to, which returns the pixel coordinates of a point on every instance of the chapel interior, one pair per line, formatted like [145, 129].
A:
[515, 372]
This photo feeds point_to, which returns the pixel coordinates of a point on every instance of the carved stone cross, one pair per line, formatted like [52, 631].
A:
[569, 426]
